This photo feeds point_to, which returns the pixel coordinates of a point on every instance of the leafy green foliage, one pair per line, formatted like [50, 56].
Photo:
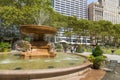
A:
[97, 51]
[4, 46]
[24, 11]
[98, 61]
[19, 12]
[97, 57]
[11, 15]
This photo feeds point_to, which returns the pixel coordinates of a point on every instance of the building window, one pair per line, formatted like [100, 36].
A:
[119, 2]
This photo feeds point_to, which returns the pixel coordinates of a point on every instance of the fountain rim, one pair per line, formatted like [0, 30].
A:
[45, 73]
[37, 29]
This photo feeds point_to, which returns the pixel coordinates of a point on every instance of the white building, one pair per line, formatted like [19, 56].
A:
[73, 39]
[76, 8]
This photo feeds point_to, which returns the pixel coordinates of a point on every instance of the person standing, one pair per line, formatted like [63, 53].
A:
[113, 50]
[72, 49]
[64, 47]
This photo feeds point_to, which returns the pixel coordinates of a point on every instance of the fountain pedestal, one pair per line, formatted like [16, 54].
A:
[40, 48]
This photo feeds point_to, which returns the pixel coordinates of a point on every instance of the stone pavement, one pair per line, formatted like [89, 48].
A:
[109, 56]
[94, 75]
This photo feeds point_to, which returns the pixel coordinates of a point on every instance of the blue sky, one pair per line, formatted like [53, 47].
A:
[89, 1]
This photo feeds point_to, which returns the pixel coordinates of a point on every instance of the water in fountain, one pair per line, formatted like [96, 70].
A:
[60, 61]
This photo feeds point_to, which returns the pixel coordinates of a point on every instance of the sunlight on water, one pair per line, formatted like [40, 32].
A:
[47, 60]
[57, 61]
[68, 58]
[6, 61]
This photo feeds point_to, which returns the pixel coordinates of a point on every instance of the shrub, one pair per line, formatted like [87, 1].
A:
[97, 61]
[97, 57]
[4, 46]
[97, 51]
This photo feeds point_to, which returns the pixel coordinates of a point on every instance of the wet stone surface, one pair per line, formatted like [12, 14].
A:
[113, 75]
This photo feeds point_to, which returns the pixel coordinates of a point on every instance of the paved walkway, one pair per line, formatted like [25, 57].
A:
[109, 56]
[94, 75]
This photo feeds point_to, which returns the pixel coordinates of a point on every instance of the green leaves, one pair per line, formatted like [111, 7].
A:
[5, 45]
[10, 15]
[97, 57]
[97, 51]
[24, 11]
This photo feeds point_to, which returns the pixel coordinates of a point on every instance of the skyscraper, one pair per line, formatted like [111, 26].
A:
[105, 10]
[95, 12]
[111, 10]
[76, 8]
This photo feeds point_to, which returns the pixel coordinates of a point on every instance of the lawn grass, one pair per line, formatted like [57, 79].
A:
[105, 50]
[108, 51]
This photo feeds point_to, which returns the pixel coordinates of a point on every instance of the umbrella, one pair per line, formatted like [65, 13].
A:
[63, 41]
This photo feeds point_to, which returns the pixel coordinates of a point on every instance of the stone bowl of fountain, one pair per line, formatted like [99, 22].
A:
[28, 29]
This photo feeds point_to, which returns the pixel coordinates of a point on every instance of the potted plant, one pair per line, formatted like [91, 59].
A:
[97, 57]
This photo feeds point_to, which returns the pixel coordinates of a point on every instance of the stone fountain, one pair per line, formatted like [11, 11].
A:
[39, 47]
[61, 67]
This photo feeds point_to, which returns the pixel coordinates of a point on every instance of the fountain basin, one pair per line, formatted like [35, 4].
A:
[14, 61]
[39, 74]
[42, 73]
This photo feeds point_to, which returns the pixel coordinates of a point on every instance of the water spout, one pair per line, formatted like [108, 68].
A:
[41, 16]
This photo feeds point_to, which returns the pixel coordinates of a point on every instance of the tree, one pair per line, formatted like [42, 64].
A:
[25, 12]
[84, 25]
[58, 20]
[96, 32]
[11, 16]
[116, 35]
[6, 2]
[106, 30]
[71, 24]
[91, 31]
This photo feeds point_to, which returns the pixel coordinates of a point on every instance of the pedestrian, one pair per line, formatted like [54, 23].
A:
[72, 49]
[64, 47]
[75, 48]
[112, 51]
[93, 49]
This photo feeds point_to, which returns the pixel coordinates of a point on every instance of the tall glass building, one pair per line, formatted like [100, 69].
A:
[76, 8]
